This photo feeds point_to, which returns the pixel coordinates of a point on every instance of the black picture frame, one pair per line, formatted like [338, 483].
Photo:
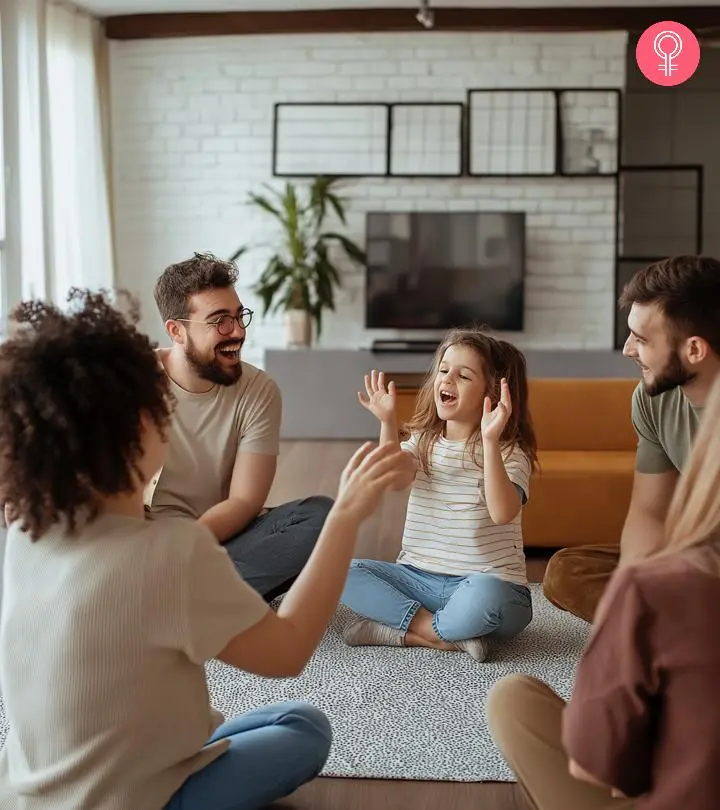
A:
[547, 93]
[278, 107]
[562, 141]
[429, 105]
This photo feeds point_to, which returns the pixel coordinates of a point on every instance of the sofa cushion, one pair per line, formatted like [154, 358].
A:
[578, 498]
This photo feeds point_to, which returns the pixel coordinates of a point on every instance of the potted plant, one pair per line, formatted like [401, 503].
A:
[301, 277]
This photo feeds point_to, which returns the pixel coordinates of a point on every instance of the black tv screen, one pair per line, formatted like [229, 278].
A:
[444, 270]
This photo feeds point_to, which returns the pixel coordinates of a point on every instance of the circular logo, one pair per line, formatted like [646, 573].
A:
[668, 53]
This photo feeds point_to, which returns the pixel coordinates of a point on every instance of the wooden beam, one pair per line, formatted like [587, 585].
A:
[366, 20]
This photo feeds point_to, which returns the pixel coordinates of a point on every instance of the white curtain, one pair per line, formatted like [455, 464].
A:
[64, 222]
[78, 198]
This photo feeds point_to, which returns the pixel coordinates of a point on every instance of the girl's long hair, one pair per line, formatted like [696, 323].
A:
[692, 525]
[499, 359]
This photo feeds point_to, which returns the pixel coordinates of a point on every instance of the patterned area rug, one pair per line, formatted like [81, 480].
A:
[402, 713]
[409, 713]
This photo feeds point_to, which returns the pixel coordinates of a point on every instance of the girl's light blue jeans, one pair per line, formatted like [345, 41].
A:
[273, 751]
[462, 607]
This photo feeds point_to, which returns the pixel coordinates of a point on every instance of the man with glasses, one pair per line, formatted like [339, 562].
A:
[224, 441]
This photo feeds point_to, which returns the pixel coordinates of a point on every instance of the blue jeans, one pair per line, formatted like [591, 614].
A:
[272, 550]
[273, 751]
[462, 607]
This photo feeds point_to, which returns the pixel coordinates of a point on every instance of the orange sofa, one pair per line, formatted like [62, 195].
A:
[586, 450]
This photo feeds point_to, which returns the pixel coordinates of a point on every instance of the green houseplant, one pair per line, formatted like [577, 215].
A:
[301, 276]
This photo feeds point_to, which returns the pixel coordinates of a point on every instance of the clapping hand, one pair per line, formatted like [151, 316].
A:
[368, 475]
[494, 419]
[380, 400]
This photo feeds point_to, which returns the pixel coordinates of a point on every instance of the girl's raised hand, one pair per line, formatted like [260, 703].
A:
[367, 476]
[380, 399]
[494, 419]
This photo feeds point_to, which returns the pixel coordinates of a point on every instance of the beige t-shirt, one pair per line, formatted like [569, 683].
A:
[103, 638]
[208, 432]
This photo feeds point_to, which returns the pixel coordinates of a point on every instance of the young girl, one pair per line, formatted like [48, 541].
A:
[460, 577]
[108, 619]
[642, 728]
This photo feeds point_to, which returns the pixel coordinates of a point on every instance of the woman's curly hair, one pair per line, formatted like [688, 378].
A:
[73, 388]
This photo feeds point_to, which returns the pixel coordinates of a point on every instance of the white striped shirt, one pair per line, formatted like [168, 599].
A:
[448, 528]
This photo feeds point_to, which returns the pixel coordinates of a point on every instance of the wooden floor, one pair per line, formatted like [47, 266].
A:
[313, 468]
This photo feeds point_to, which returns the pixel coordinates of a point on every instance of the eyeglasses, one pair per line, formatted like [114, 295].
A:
[225, 325]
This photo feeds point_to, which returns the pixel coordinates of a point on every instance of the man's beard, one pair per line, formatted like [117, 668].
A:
[672, 376]
[210, 369]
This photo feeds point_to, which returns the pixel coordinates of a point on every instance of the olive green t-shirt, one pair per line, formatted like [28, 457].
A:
[666, 425]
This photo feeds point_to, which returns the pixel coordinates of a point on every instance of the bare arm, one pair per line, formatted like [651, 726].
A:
[281, 643]
[389, 435]
[645, 522]
[501, 495]
[389, 432]
[250, 486]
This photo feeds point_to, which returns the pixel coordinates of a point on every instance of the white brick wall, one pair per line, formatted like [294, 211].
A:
[192, 123]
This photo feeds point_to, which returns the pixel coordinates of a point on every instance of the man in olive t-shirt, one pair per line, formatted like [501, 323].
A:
[674, 324]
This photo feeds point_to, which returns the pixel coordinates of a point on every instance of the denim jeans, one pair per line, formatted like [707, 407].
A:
[273, 751]
[272, 550]
[462, 607]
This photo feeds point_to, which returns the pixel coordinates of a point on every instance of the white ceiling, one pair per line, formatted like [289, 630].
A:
[105, 8]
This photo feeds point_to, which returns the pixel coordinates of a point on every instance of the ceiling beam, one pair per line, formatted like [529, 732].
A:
[366, 20]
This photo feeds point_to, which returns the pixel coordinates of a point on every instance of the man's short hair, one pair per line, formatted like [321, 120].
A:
[179, 282]
[686, 289]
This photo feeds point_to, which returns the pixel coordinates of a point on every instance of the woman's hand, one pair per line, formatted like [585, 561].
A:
[494, 419]
[368, 475]
[380, 400]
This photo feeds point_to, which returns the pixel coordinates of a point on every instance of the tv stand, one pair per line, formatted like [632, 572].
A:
[404, 346]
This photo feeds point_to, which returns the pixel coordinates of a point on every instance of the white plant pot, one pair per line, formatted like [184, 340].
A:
[298, 328]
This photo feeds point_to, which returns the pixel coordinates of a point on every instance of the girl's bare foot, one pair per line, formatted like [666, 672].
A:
[414, 640]
[421, 633]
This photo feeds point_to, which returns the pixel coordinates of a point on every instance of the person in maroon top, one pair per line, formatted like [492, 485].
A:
[642, 729]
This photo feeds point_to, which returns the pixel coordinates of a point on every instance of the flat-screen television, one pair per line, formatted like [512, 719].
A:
[444, 270]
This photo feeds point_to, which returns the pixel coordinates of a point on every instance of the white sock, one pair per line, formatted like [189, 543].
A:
[476, 648]
[369, 633]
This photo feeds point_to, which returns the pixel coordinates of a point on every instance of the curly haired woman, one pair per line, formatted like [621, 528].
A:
[108, 618]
